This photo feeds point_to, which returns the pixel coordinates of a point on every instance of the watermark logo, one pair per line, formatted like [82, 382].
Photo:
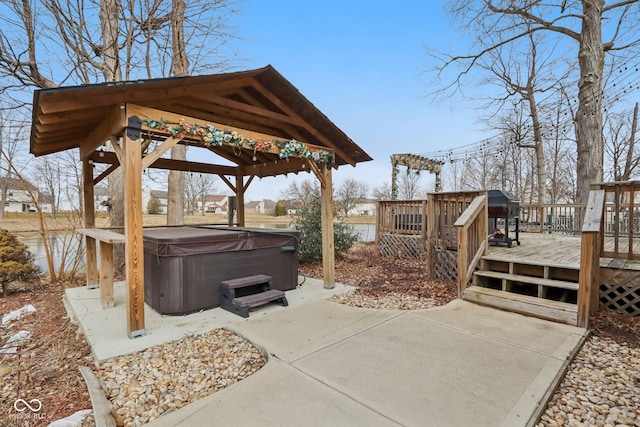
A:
[28, 410]
[21, 405]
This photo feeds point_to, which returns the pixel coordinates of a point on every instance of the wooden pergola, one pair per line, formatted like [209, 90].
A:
[255, 119]
[417, 163]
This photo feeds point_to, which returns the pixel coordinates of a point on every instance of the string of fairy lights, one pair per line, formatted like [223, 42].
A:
[622, 84]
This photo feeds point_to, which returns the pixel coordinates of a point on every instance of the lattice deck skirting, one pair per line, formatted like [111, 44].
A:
[445, 266]
[620, 290]
[401, 245]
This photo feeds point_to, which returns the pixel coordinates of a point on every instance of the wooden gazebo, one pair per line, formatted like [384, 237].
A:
[255, 119]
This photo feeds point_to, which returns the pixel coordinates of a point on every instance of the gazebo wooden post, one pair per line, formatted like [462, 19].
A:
[89, 222]
[134, 254]
[328, 249]
[240, 196]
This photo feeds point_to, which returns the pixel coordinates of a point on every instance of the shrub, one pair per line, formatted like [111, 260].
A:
[281, 209]
[16, 262]
[308, 222]
[153, 206]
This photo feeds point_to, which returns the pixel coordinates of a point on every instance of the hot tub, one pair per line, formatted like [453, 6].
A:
[183, 266]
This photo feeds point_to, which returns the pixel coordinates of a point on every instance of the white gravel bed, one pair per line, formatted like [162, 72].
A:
[601, 388]
[144, 385]
[389, 302]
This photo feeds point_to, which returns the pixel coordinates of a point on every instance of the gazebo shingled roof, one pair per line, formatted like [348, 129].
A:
[263, 107]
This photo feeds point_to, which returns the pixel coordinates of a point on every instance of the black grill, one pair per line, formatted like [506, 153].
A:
[503, 208]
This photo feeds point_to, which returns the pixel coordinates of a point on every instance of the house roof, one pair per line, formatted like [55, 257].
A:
[215, 198]
[17, 184]
[158, 194]
[259, 100]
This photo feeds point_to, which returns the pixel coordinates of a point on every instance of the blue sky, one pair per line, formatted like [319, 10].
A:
[363, 65]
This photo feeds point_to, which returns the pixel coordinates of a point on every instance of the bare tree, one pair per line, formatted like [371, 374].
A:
[11, 135]
[349, 194]
[382, 192]
[179, 67]
[620, 136]
[51, 177]
[129, 39]
[502, 22]
[302, 193]
[198, 186]
[519, 74]
[409, 185]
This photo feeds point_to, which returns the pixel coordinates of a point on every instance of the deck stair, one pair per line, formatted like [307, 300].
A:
[533, 288]
[238, 295]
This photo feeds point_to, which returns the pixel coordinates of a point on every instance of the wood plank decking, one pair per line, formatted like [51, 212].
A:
[560, 250]
[543, 249]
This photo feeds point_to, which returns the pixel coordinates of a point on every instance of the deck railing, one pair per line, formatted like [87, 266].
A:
[473, 243]
[621, 220]
[401, 216]
[433, 219]
[556, 218]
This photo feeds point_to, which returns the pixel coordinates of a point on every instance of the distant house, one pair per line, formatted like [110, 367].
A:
[266, 207]
[101, 198]
[364, 207]
[217, 204]
[148, 193]
[18, 198]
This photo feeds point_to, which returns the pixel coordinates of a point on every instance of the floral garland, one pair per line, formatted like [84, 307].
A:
[210, 135]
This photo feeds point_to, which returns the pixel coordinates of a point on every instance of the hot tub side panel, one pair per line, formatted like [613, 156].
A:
[163, 278]
[184, 284]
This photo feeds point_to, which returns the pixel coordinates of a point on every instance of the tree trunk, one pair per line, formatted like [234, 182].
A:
[109, 26]
[628, 165]
[111, 72]
[541, 170]
[590, 145]
[180, 67]
[175, 190]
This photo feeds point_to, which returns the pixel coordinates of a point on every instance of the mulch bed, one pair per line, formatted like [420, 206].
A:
[46, 366]
[376, 276]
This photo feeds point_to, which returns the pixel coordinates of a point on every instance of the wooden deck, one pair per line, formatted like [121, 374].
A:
[543, 249]
[560, 250]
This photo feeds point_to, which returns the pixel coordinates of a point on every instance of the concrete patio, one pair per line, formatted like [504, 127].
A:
[330, 364]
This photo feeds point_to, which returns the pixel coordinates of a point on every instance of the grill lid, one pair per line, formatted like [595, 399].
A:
[500, 203]
[501, 198]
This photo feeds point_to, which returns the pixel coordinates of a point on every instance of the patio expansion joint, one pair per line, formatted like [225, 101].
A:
[346, 337]
[333, 388]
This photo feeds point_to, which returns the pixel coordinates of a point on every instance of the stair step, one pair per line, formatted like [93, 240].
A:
[551, 283]
[244, 282]
[538, 307]
[238, 295]
[523, 261]
[259, 298]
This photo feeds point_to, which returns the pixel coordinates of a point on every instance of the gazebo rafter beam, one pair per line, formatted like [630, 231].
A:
[113, 124]
[313, 131]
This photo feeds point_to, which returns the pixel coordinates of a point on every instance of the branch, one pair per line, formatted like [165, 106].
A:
[545, 25]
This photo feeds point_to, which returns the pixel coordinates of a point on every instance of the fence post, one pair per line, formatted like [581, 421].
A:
[463, 258]
[589, 281]
[430, 238]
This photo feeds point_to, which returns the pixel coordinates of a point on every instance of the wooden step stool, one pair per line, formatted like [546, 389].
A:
[238, 295]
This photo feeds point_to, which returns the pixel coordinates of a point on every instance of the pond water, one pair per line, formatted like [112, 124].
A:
[65, 245]
[62, 245]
